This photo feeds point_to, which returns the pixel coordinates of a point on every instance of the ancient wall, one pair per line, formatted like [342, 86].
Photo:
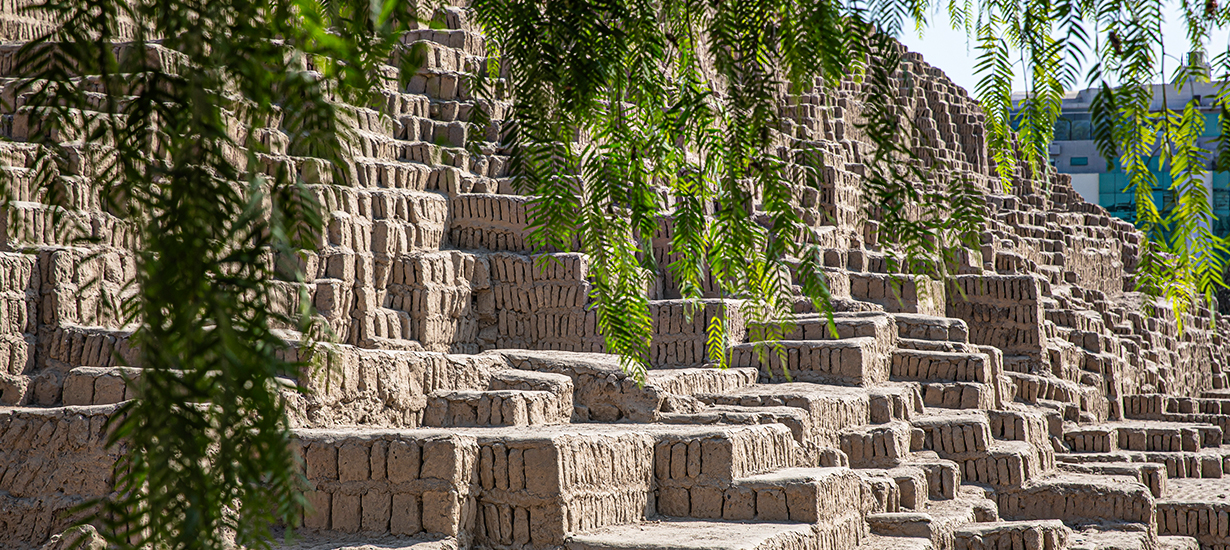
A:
[1030, 401]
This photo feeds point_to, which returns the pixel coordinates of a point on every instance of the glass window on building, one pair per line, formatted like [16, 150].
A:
[1081, 130]
[1078, 161]
[1063, 129]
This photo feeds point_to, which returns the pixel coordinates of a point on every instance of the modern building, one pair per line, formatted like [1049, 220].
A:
[1099, 181]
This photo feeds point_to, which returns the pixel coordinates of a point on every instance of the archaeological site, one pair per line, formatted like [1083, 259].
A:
[1030, 402]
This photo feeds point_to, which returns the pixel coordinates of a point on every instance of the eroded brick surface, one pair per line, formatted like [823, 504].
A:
[1029, 402]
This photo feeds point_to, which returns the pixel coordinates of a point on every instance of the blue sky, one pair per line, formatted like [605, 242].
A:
[955, 55]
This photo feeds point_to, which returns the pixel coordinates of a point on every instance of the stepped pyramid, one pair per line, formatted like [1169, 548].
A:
[1031, 403]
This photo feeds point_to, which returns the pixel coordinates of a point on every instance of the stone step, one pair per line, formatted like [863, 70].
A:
[502, 486]
[940, 366]
[850, 362]
[696, 466]
[899, 293]
[397, 483]
[1143, 436]
[680, 330]
[447, 50]
[54, 460]
[831, 497]
[1088, 404]
[495, 408]
[702, 381]
[386, 388]
[1035, 534]
[1149, 474]
[937, 521]
[933, 345]
[441, 85]
[882, 542]
[910, 485]
[877, 445]
[943, 476]
[881, 490]
[98, 385]
[1207, 463]
[828, 408]
[958, 395]
[722, 453]
[490, 222]
[334, 541]
[1079, 498]
[878, 325]
[1169, 409]
[1173, 542]
[816, 450]
[956, 434]
[1198, 509]
[1091, 439]
[1034, 426]
[690, 534]
[926, 327]
[603, 392]
[408, 165]
[1003, 464]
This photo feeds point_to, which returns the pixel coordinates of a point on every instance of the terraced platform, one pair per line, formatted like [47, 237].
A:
[1027, 403]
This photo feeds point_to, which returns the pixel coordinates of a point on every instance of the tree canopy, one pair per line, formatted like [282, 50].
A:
[168, 101]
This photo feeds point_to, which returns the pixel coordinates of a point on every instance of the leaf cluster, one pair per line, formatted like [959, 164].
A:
[179, 107]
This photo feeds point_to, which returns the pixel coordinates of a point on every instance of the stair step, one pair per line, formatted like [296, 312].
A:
[494, 408]
[1152, 436]
[851, 362]
[828, 408]
[685, 534]
[877, 445]
[934, 345]
[943, 476]
[1078, 498]
[938, 521]
[878, 325]
[903, 488]
[1196, 508]
[1207, 463]
[680, 335]
[1031, 388]
[1208, 522]
[797, 420]
[882, 542]
[718, 455]
[1149, 474]
[404, 482]
[920, 295]
[1035, 534]
[1113, 536]
[1004, 464]
[956, 434]
[302, 541]
[958, 395]
[926, 327]
[970, 499]
[1177, 543]
[1033, 426]
[704, 380]
[98, 385]
[54, 459]
[940, 366]
[830, 497]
